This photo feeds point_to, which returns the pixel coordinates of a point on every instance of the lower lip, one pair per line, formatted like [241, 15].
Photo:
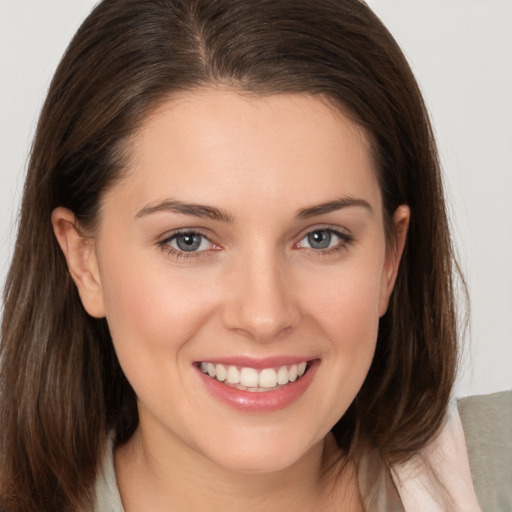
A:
[264, 401]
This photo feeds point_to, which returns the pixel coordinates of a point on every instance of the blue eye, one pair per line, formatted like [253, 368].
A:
[319, 239]
[322, 239]
[188, 242]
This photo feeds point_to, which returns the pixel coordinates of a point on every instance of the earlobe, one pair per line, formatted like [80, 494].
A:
[79, 251]
[401, 220]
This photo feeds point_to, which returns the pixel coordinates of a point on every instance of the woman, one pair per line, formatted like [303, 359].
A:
[232, 286]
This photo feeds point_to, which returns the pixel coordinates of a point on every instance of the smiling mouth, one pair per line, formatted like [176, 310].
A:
[251, 379]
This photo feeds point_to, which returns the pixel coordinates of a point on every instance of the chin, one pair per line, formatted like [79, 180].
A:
[262, 454]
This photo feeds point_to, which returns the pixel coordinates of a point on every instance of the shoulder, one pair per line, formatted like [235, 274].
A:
[487, 424]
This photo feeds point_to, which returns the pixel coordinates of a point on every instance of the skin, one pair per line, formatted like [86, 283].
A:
[256, 287]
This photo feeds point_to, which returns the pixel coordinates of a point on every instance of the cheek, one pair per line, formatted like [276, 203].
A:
[352, 326]
[348, 317]
[151, 312]
[347, 300]
[153, 321]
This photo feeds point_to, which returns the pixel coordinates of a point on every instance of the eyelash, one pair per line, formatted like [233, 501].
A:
[345, 238]
[177, 253]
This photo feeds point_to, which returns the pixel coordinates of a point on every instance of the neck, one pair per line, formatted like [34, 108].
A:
[152, 476]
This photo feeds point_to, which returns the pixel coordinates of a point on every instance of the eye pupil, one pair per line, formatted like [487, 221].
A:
[188, 241]
[320, 239]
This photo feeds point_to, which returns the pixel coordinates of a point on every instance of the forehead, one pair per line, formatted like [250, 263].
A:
[219, 145]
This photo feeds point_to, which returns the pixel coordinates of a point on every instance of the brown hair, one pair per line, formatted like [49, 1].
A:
[61, 385]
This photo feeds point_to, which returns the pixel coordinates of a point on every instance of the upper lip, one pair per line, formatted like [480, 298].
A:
[257, 363]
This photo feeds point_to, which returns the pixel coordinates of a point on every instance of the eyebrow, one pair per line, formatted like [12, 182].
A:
[330, 206]
[197, 210]
[210, 212]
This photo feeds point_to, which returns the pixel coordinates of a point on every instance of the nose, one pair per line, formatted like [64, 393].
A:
[262, 303]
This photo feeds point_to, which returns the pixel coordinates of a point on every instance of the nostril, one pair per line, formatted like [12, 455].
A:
[259, 304]
[266, 325]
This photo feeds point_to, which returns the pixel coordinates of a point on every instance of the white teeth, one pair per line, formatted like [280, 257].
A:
[252, 379]
[268, 378]
[221, 373]
[292, 373]
[233, 375]
[282, 376]
[212, 372]
[249, 377]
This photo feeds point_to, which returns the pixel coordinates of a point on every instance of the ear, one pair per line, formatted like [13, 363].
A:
[80, 253]
[394, 252]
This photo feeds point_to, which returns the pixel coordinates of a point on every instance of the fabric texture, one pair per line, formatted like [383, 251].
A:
[487, 422]
[438, 479]
[106, 491]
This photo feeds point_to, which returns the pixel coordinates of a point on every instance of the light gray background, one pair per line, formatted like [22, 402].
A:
[461, 52]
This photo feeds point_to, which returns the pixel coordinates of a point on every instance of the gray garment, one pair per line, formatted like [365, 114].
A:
[487, 423]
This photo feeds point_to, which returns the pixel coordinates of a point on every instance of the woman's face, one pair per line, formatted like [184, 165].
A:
[246, 241]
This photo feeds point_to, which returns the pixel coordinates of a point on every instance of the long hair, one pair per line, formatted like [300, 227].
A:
[61, 386]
